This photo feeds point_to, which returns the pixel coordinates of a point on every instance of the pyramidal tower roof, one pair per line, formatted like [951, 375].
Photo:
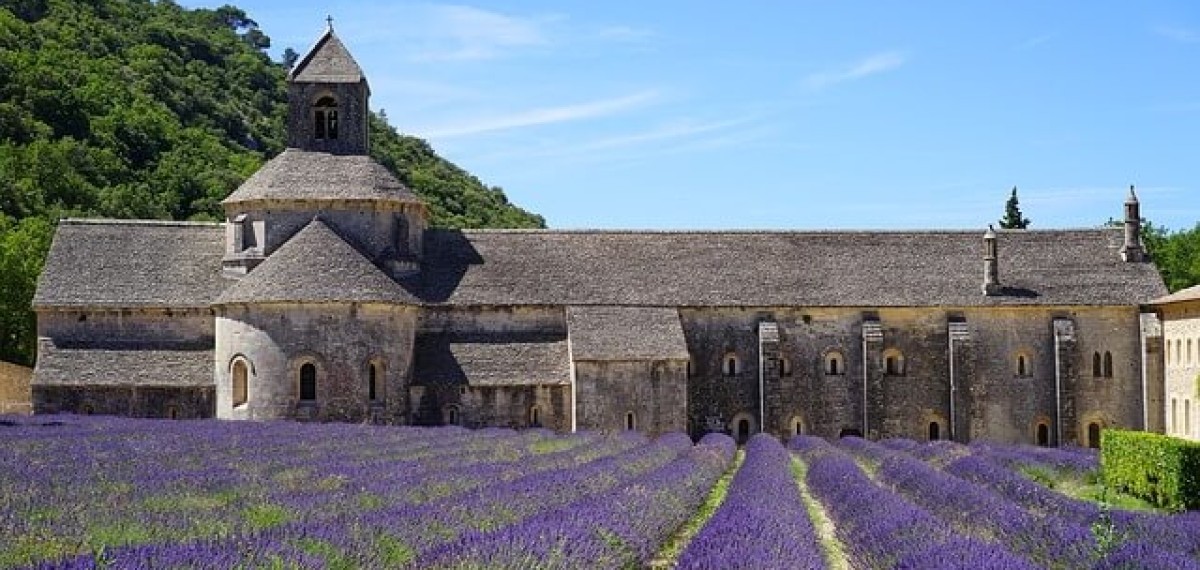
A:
[316, 266]
[327, 62]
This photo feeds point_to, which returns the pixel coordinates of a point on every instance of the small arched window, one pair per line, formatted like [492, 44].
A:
[452, 415]
[535, 417]
[308, 382]
[732, 365]
[833, 363]
[1108, 367]
[630, 421]
[1093, 435]
[935, 431]
[1187, 417]
[373, 377]
[893, 362]
[1174, 415]
[1043, 435]
[1022, 366]
[797, 426]
[325, 118]
[1097, 369]
[785, 367]
[1189, 351]
[172, 412]
[241, 391]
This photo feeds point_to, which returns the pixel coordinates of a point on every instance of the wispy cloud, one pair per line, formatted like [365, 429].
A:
[623, 34]
[871, 65]
[1177, 34]
[467, 33]
[540, 116]
[1033, 42]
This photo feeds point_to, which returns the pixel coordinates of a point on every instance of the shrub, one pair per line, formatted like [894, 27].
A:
[1160, 469]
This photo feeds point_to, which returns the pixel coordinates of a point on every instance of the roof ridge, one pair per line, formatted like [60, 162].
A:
[634, 231]
[125, 222]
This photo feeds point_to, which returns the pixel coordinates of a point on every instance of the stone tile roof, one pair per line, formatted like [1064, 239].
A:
[122, 365]
[316, 266]
[509, 359]
[112, 263]
[1189, 294]
[828, 268]
[327, 62]
[626, 333]
[308, 175]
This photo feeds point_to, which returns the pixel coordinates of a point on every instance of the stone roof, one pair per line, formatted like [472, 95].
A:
[509, 359]
[327, 62]
[626, 333]
[1189, 294]
[307, 175]
[757, 268]
[112, 263]
[123, 365]
[316, 266]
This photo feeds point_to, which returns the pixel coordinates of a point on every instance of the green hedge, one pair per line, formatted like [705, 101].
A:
[1160, 469]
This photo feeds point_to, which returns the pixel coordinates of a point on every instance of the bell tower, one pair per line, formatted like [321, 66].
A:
[327, 100]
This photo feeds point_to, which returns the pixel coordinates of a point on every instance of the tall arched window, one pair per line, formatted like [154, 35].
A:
[1093, 435]
[893, 362]
[308, 382]
[451, 415]
[1022, 366]
[325, 118]
[630, 421]
[535, 417]
[1187, 417]
[785, 367]
[1043, 435]
[935, 431]
[1174, 415]
[373, 377]
[1097, 370]
[240, 380]
[1108, 368]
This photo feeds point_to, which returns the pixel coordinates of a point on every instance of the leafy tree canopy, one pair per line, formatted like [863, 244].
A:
[1013, 219]
[145, 109]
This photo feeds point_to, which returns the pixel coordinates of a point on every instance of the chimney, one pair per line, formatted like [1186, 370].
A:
[1132, 250]
[991, 265]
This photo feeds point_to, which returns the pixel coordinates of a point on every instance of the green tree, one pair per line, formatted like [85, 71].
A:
[1013, 219]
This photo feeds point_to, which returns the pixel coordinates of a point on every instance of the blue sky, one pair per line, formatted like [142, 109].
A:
[790, 115]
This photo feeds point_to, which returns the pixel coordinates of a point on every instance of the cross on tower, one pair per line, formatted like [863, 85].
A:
[329, 21]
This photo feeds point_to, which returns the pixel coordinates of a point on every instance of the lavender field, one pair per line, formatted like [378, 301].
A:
[92, 492]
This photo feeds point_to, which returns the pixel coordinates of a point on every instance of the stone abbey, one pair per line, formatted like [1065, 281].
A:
[325, 296]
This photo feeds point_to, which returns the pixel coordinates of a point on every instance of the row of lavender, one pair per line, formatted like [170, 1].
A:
[974, 489]
[104, 492]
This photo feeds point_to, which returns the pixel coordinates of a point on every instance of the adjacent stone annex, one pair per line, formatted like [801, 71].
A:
[326, 296]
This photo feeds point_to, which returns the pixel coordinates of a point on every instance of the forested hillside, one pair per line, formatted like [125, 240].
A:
[140, 109]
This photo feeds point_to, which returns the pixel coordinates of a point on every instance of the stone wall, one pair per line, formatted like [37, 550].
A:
[340, 340]
[128, 401]
[493, 406]
[1181, 327]
[131, 327]
[994, 398]
[485, 319]
[15, 394]
[655, 392]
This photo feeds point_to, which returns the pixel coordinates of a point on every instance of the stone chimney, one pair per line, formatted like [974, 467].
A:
[1131, 250]
[991, 264]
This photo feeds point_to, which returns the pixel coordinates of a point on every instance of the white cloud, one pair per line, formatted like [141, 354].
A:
[1178, 34]
[871, 65]
[456, 33]
[539, 116]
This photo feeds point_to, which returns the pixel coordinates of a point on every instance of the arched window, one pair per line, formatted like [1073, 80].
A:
[797, 427]
[452, 416]
[732, 365]
[535, 417]
[833, 363]
[1022, 366]
[1187, 417]
[308, 382]
[373, 381]
[1178, 351]
[1189, 351]
[893, 362]
[1043, 434]
[325, 118]
[935, 431]
[241, 391]
[1093, 435]
[630, 421]
[1097, 371]
[172, 412]
[785, 367]
[1168, 343]
[1174, 415]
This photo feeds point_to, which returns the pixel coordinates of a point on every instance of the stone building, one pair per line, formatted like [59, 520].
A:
[1180, 317]
[15, 392]
[325, 296]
